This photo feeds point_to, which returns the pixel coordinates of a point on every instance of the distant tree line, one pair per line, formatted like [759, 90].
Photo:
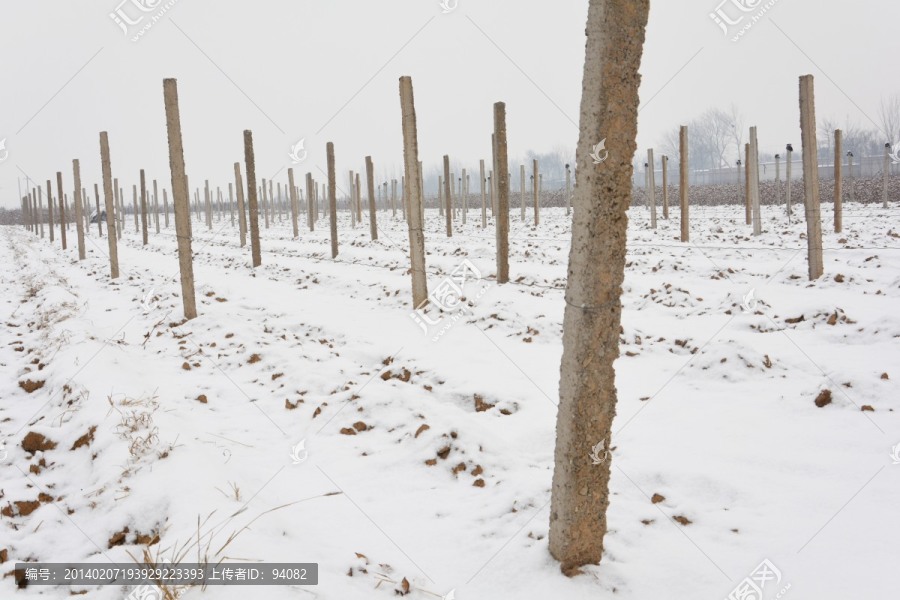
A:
[717, 136]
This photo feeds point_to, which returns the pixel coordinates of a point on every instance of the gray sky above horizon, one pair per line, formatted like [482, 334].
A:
[328, 71]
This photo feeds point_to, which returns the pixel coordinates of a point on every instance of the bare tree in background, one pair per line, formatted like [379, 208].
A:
[861, 141]
[717, 126]
[736, 119]
[889, 113]
[593, 313]
[827, 127]
[712, 139]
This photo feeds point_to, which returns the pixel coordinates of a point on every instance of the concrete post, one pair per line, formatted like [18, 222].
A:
[537, 198]
[208, 205]
[540, 188]
[787, 179]
[79, 217]
[242, 212]
[592, 321]
[483, 195]
[166, 208]
[811, 176]
[358, 187]
[448, 208]
[350, 200]
[121, 210]
[422, 191]
[250, 167]
[279, 201]
[144, 233]
[440, 196]
[28, 209]
[180, 197]
[502, 170]
[777, 179]
[134, 208]
[155, 207]
[273, 202]
[370, 184]
[647, 185]
[118, 209]
[49, 209]
[295, 204]
[683, 184]
[849, 177]
[27, 218]
[197, 207]
[464, 194]
[753, 180]
[491, 178]
[404, 199]
[332, 199]
[97, 202]
[265, 203]
[29, 213]
[394, 198]
[838, 180]
[454, 194]
[665, 186]
[62, 209]
[109, 199]
[86, 211]
[748, 210]
[230, 201]
[568, 189]
[36, 195]
[412, 191]
[887, 174]
[522, 191]
[312, 203]
[310, 193]
[651, 190]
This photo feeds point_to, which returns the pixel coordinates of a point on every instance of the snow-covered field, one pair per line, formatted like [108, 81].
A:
[306, 385]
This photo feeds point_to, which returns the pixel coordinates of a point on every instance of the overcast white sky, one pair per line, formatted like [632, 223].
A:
[328, 70]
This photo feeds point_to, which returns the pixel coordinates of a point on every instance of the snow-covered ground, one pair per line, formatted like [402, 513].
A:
[307, 385]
